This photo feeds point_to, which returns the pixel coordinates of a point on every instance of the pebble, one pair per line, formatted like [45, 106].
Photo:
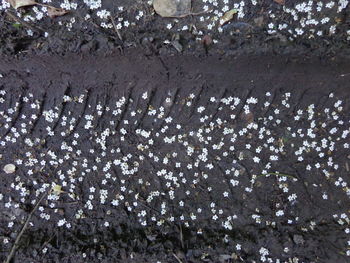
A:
[172, 8]
[9, 168]
[298, 239]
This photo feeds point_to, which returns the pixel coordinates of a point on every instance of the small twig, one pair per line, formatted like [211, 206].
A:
[181, 238]
[177, 258]
[15, 245]
[22, 22]
[116, 29]
[119, 13]
[191, 14]
[145, 205]
[48, 241]
[94, 24]
[279, 174]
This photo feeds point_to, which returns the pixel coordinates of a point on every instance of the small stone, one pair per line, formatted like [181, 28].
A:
[298, 239]
[9, 168]
[172, 8]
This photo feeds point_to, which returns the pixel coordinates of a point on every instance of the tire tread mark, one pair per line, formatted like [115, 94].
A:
[62, 109]
[100, 117]
[271, 101]
[126, 106]
[7, 102]
[41, 110]
[194, 103]
[80, 116]
[299, 100]
[222, 94]
[144, 113]
[171, 107]
[244, 101]
[15, 119]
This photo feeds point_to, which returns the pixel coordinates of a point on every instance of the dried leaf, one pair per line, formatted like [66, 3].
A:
[57, 189]
[19, 3]
[338, 20]
[9, 168]
[55, 12]
[249, 117]
[281, 2]
[172, 8]
[228, 16]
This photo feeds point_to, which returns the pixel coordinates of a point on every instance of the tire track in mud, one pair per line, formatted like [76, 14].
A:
[41, 106]
[140, 154]
[82, 112]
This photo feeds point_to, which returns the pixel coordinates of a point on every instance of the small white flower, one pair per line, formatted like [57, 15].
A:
[256, 159]
[280, 213]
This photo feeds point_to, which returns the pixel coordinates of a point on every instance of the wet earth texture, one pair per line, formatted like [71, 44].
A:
[280, 26]
[141, 158]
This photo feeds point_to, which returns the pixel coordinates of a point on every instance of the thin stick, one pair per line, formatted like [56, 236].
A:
[15, 245]
[48, 241]
[116, 29]
[278, 174]
[191, 14]
[181, 238]
[177, 258]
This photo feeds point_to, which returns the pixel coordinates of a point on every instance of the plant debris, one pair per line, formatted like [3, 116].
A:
[57, 189]
[55, 12]
[21, 3]
[280, 2]
[51, 10]
[228, 16]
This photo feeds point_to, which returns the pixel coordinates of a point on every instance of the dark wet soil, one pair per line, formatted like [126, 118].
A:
[247, 35]
[104, 79]
[95, 64]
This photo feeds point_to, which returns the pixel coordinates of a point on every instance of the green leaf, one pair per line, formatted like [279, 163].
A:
[17, 25]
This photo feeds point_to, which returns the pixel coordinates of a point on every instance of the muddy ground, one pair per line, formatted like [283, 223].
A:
[106, 125]
[259, 27]
[314, 235]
